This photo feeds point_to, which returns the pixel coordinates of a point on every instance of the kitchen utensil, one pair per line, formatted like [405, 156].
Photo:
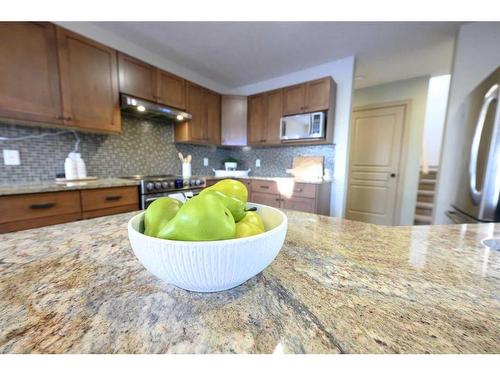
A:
[181, 157]
[210, 266]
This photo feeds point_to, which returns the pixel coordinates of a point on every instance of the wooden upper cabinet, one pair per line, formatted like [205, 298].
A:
[213, 107]
[89, 81]
[274, 112]
[234, 120]
[256, 119]
[137, 78]
[312, 96]
[294, 98]
[264, 113]
[318, 95]
[197, 130]
[29, 77]
[171, 90]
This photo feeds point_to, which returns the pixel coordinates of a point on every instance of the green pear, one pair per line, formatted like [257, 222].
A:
[235, 206]
[232, 188]
[159, 213]
[202, 218]
[254, 218]
[244, 229]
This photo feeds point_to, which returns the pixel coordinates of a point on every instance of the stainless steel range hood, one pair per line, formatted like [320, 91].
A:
[144, 108]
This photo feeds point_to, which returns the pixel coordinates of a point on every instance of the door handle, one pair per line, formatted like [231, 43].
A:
[491, 95]
[393, 175]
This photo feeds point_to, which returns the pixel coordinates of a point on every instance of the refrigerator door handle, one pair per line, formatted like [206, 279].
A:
[491, 95]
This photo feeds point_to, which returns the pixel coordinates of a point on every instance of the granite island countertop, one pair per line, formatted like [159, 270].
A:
[51, 186]
[277, 179]
[337, 286]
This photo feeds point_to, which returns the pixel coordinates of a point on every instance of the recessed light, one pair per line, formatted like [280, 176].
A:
[180, 117]
[141, 108]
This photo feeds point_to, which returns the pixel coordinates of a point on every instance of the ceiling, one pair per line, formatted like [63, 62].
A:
[235, 54]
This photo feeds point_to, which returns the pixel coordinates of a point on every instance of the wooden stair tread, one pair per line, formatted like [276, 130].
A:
[425, 205]
[425, 192]
[423, 218]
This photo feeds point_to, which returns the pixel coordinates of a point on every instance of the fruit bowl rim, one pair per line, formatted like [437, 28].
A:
[284, 222]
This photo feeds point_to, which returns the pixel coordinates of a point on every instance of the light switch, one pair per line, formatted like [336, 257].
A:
[205, 162]
[11, 157]
[257, 163]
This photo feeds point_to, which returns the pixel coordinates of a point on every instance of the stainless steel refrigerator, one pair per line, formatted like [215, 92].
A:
[478, 193]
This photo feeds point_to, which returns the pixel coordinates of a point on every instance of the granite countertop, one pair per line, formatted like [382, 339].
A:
[277, 179]
[49, 186]
[337, 286]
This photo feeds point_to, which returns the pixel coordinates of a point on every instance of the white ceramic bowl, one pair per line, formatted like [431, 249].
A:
[210, 266]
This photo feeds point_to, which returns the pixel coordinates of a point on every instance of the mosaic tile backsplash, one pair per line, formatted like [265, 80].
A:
[144, 147]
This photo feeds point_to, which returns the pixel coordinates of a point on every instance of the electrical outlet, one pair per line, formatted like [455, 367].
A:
[11, 157]
[257, 163]
[205, 162]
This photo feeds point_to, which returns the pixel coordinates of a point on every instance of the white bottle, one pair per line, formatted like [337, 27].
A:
[70, 168]
[81, 169]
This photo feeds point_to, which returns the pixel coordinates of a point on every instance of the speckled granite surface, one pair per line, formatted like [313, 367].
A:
[336, 287]
[43, 187]
[298, 180]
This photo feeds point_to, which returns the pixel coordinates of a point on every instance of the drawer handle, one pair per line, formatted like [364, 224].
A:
[113, 197]
[38, 206]
[264, 187]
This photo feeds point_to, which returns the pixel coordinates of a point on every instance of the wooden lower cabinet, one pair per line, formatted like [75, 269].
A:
[25, 211]
[305, 197]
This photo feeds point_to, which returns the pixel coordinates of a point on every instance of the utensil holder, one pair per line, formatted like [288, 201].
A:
[186, 170]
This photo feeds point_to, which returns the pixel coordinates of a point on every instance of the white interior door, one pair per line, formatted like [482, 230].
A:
[374, 166]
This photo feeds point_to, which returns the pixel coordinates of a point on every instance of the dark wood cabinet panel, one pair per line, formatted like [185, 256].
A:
[137, 78]
[272, 200]
[29, 77]
[294, 99]
[195, 106]
[274, 112]
[300, 204]
[212, 103]
[171, 90]
[89, 81]
[256, 120]
[318, 95]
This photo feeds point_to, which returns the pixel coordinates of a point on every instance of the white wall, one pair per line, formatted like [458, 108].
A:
[342, 71]
[120, 43]
[477, 54]
[435, 113]
[415, 90]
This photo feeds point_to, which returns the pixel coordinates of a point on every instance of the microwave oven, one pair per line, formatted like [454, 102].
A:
[303, 127]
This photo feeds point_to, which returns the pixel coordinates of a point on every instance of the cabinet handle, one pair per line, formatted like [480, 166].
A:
[262, 141]
[113, 197]
[264, 187]
[69, 118]
[38, 206]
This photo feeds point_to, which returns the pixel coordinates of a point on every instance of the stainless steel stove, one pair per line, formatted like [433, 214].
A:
[154, 187]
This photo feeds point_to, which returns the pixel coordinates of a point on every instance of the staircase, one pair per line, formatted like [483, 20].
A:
[425, 197]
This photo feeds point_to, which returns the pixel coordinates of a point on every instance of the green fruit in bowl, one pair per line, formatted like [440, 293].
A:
[235, 206]
[202, 218]
[159, 213]
[231, 188]
[254, 218]
[245, 229]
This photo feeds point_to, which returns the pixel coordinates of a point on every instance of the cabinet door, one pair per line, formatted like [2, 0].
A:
[171, 90]
[300, 204]
[318, 95]
[272, 200]
[89, 81]
[29, 77]
[274, 112]
[212, 103]
[294, 99]
[234, 120]
[137, 78]
[197, 131]
[256, 119]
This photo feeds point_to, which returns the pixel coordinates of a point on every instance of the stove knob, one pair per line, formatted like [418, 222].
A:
[164, 184]
[171, 184]
[157, 185]
[150, 186]
[198, 182]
